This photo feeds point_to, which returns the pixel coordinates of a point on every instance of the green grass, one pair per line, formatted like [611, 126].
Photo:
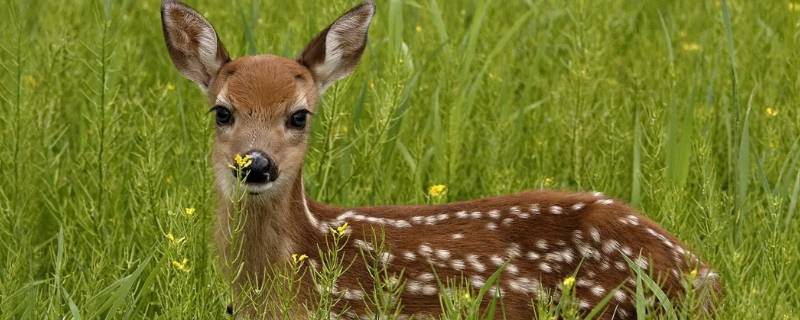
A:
[687, 108]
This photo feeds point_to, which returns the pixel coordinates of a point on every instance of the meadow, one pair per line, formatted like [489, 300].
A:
[687, 109]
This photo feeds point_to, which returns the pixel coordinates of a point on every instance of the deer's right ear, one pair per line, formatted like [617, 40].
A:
[193, 44]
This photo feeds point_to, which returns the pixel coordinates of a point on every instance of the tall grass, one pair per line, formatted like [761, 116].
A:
[686, 108]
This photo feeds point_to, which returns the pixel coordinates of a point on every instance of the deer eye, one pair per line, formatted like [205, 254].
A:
[223, 114]
[298, 119]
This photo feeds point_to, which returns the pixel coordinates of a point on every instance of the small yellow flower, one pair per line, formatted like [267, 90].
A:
[189, 212]
[418, 28]
[173, 240]
[342, 229]
[569, 282]
[437, 190]
[182, 266]
[793, 6]
[298, 258]
[691, 47]
[771, 112]
[548, 181]
[693, 274]
[170, 86]
[241, 162]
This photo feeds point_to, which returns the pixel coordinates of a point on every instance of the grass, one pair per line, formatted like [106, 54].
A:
[686, 108]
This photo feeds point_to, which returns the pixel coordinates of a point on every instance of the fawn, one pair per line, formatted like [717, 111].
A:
[264, 105]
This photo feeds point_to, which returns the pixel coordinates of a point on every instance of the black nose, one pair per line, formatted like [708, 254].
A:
[261, 170]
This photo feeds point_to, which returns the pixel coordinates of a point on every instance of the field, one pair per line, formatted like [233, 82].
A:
[687, 109]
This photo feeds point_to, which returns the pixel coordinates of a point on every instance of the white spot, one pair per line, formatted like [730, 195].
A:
[457, 264]
[416, 219]
[583, 304]
[442, 216]
[594, 234]
[552, 256]
[610, 246]
[401, 224]
[598, 194]
[477, 281]
[541, 244]
[457, 236]
[513, 251]
[386, 258]
[507, 221]
[425, 250]
[567, 255]
[534, 208]
[532, 255]
[494, 214]
[494, 291]
[578, 206]
[627, 250]
[496, 260]
[619, 265]
[598, 291]
[353, 294]
[633, 220]
[346, 215]
[430, 220]
[363, 245]
[545, 267]
[577, 235]
[475, 215]
[491, 226]
[556, 210]
[619, 295]
[462, 214]
[475, 263]
[442, 254]
[428, 290]
[410, 256]
[605, 202]
[641, 262]
[583, 283]
[512, 269]
[425, 277]
[413, 286]
[605, 265]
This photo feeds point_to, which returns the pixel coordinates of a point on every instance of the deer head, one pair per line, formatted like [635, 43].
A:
[263, 104]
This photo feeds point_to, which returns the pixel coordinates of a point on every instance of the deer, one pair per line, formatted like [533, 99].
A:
[263, 107]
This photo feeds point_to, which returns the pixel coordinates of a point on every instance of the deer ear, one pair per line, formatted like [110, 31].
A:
[335, 52]
[193, 44]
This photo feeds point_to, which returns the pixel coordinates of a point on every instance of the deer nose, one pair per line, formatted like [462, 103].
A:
[261, 169]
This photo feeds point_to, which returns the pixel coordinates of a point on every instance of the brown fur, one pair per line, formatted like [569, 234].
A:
[580, 229]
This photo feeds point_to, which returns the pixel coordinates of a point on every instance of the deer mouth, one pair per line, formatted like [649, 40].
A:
[258, 188]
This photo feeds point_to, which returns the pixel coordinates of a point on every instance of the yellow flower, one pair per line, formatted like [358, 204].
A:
[437, 190]
[418, 28]
[173, 240]
[693, 274]
[691, 47]
[569, 282]
[189, 212]
[170, 86]
[342, 229]
[241, 162]
[182, 266]
[298, 258]
[771, 112]
[548, 181]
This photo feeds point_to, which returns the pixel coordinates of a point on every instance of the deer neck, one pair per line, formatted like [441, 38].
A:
[275, 226]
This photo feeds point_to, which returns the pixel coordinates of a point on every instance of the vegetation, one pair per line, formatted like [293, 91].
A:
[688, 109]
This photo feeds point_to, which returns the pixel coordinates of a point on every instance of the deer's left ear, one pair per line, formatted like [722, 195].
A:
[335, 52]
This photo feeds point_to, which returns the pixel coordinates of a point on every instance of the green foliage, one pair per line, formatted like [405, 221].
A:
[103, 145]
